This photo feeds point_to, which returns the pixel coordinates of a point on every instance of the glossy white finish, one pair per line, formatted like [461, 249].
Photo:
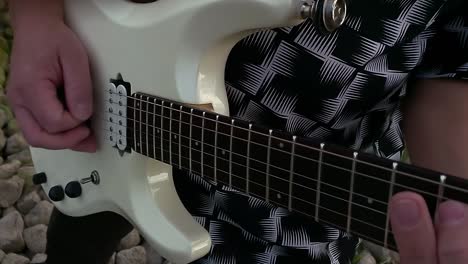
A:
[174, 49]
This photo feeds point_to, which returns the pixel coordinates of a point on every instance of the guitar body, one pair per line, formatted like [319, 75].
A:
[175, 49]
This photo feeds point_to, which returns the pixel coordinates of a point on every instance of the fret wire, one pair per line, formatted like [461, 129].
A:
[248, 162]
[440, 193]
[267, 191]
[154, 131]
[147, 151]
[134, 122]
[366, 163]
[216, 151]
[180, 138]
[230, 154]
[202, 144]
[140, 126]
[170, 135]
[390, 195]
[337, 167]
[319, 180]
[350, 199]
[291, 173]
[162, 131]
[190, 149]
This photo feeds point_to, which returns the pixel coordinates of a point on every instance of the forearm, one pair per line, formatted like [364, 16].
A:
[436, 126]
[25, 13]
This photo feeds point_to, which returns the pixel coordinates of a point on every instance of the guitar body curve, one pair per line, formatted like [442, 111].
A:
[175, 49]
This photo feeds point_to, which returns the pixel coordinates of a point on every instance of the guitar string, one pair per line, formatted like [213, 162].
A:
[389, 232]
[310, 159]
[307, 202]
[278, 177]
[301, 175]
[293, 197]
[446, 185]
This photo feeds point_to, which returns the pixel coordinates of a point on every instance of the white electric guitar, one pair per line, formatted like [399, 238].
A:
[154, 65]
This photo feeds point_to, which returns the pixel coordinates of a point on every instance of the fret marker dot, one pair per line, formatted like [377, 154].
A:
[281, 145]
[370, 200]
[223, 152]
[138, 144]
[278, 196]
[175, 137]
[157, 131]
[196, 144]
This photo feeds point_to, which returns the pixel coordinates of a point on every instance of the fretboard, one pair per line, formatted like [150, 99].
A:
[329, 184]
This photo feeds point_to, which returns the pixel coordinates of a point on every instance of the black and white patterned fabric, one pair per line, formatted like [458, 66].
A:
[344, 87]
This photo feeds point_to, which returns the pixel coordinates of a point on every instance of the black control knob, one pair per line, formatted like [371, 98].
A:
[73, 189]
[39, 178]
[56, 193]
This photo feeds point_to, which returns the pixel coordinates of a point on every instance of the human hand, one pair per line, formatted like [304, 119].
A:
[48, 59]
[422, 241]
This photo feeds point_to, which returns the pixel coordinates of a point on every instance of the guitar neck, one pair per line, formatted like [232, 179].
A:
[332, 185]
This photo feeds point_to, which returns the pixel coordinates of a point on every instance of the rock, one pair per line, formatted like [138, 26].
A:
[366, 258]
[36, 238]
[112, 259]
[43, 195]
[13, 258]
[11, 233]
[11, 128]
[26, 173]
[27, 202]
[40, 214]
[4, 117]
[39, 258]
[9, 169]
[132, 239]
[2, 139]
[9, 210]
[136, 255]
[152, 257]
[24, 156]
[10, 191]
[15, 143]
[2, 255]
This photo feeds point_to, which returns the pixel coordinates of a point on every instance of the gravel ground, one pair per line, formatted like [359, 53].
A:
[25, 209]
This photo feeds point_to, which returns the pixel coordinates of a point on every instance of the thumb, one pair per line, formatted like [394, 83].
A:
[77, 79]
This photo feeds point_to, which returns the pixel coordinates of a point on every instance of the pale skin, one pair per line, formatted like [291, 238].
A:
[47, 55]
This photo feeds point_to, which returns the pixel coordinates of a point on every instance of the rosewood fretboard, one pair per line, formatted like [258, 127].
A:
[329, 184]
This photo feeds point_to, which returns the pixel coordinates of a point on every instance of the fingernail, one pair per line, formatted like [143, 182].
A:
[82, 111]
[406, 213]
[451, 213]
